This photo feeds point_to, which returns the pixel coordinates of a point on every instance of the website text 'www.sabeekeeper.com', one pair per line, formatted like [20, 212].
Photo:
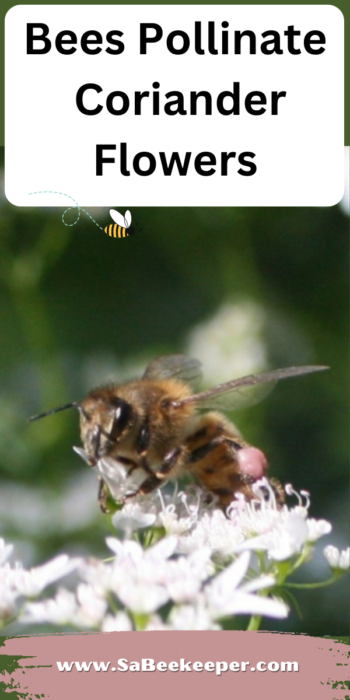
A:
[150, 665]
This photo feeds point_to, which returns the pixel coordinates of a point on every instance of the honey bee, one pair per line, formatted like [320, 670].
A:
[155, 423]
[122, 225]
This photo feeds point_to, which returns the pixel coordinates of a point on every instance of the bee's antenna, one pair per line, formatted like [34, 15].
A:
[74, 404]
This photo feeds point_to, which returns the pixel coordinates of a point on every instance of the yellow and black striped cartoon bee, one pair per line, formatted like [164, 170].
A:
[121, 227]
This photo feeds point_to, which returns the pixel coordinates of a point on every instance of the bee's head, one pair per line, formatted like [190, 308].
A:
[104, 420]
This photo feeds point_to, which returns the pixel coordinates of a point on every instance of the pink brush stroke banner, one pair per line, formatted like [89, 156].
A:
[323, 666]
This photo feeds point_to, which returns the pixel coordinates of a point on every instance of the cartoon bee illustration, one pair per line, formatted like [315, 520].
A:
[122, 225]
[155, 424]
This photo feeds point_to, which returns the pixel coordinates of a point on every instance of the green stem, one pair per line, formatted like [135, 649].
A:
[255, 620]
[112, 604]
[254, 623]
[262, 561]
[319, 584]
[304, 556]
[140, 621]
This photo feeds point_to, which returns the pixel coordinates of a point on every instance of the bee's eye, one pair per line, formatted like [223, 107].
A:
[122, 415]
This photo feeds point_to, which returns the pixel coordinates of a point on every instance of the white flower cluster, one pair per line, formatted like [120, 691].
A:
[192, 565]
[17, 584]
[138, 582]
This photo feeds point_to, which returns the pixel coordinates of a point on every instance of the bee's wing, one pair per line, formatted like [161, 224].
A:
[180, 367]
[127, 218]
[245, 391]
[117, 217]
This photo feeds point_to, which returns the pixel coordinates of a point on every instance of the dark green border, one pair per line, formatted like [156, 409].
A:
[342, 5]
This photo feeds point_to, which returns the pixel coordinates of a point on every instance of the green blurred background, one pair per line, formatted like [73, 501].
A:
[241, 289]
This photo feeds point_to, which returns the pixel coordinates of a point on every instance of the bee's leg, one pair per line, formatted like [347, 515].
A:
[142, 444]
[96, 441]
[171, 460]
[156, 479]
[147, 486]
[128, 463]
[102, 495]
[278, 490]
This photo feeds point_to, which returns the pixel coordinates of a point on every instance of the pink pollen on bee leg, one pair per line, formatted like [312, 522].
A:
[252, 461]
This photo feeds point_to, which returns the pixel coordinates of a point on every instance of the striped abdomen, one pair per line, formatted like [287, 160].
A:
[116, 231]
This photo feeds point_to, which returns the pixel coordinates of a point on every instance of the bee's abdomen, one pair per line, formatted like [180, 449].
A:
[116, 231]
[212, 458]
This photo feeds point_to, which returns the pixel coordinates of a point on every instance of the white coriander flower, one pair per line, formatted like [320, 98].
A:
[126, 550]
[7, 603]
[146, 580]
[337, 560]
[119, 479]
[85, 609]
[142, 598]
[223, 597]
[17, 582]
[192, 617]
[213, 530]
[133, 516]
[248, 604]
[258, 516]
[180, 511]
[60, 610]
[98, 574]
[92, 606]
[31, 583]
[120, 622]
[317, 529]
[156, 624]
[286, 539]
[132, 551]
[173, 525]
[138, 576]
[282, 532]
[5, 551]
[180, 571]
[184, 576]
[192, 541]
